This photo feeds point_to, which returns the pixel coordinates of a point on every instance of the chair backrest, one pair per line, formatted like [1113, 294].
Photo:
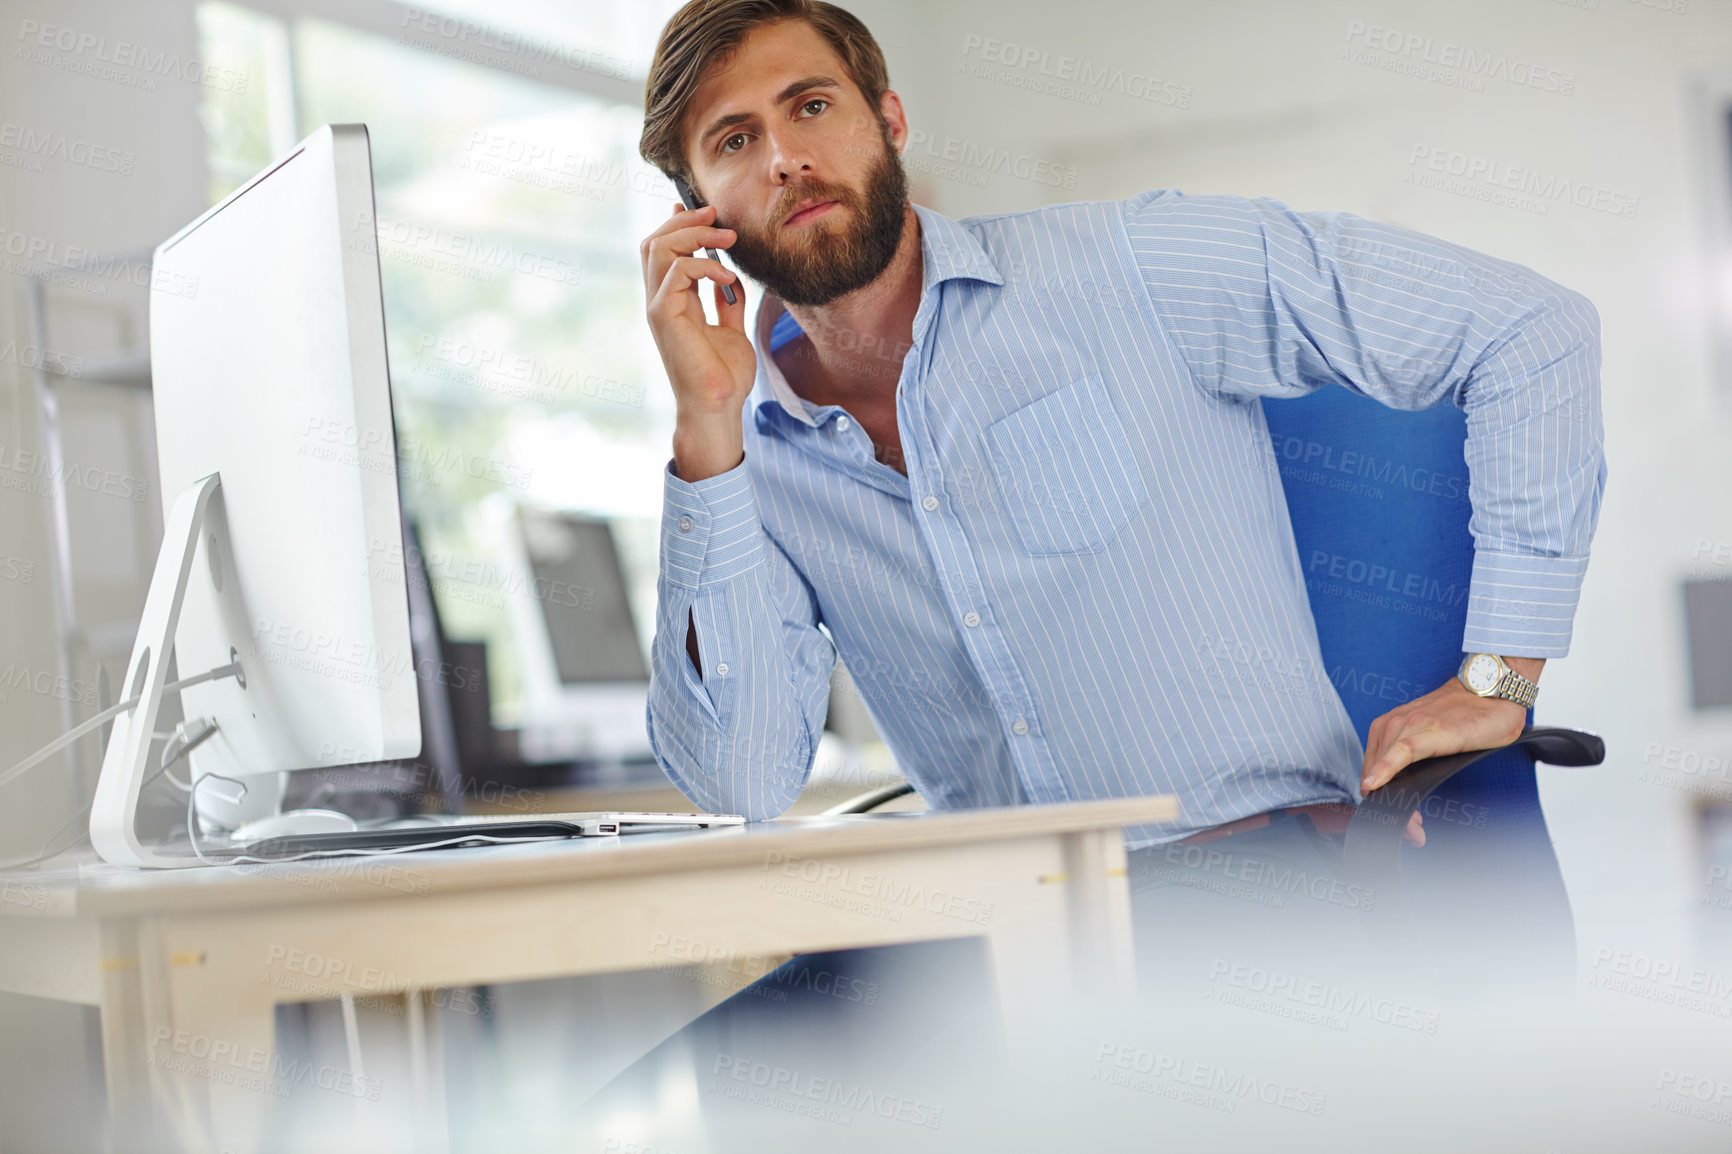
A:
[1378, 498]
[1379, 504]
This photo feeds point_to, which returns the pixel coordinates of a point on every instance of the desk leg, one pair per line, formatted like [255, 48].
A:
[1102, 954]
[430, 1125]
[210, 1049]
[132, 1122]
[1082, 949]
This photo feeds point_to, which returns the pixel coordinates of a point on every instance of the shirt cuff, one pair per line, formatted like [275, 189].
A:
[710, 528]
[1520, 605]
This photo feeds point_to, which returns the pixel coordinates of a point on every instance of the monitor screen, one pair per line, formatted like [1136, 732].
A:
[581, 590]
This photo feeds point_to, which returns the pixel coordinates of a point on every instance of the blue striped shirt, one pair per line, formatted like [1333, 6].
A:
[1092, 504]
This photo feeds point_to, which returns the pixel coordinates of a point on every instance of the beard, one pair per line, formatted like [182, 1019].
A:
[816, 264]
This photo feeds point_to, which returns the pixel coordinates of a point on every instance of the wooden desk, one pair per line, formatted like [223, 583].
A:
[187, 966]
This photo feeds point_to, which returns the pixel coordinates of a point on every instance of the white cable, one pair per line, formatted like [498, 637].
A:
[182, 742]
[114, 710]
[66, 739]
[170, 755]
[192, 815]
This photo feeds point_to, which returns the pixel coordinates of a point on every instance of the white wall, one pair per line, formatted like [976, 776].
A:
[46, 1088]
[148, 180]
[1275, 110]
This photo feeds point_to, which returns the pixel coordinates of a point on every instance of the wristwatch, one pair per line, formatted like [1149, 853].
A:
[1488, 675]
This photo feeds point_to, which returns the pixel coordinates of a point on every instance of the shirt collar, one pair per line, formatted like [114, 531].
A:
[948, 251]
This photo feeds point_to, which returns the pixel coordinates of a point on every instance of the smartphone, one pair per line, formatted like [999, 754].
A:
[689, 198]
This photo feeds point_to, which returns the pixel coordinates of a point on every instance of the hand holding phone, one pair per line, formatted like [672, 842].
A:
[689, 198]
[711, 366]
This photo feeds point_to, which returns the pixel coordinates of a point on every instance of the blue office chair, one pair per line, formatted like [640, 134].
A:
[1377, 497]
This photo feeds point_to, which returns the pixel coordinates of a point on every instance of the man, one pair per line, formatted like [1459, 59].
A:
[1016, 467]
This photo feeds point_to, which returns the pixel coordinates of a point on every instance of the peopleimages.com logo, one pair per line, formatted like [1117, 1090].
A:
[1446, 61]
[120, 60]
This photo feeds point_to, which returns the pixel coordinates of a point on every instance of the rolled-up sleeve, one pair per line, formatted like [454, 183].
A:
[1262, 300]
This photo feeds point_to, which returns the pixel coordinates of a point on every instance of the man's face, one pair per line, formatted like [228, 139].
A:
[799, 166]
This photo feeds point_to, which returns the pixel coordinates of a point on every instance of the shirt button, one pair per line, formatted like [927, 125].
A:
[1019, 727]
[930, 503]
[842, 424]
[971, 619]
[685, 524]
[722, 669]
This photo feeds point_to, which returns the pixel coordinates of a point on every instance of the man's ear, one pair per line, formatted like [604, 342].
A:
[895, 119]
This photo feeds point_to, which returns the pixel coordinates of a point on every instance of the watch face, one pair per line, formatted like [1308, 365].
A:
[1482, 674]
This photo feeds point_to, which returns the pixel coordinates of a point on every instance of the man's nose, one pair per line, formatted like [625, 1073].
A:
[789, 157]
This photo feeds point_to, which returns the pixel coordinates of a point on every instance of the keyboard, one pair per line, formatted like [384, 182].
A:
[440, 831]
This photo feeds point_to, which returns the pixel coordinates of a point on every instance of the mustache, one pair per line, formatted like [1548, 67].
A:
[817, 190]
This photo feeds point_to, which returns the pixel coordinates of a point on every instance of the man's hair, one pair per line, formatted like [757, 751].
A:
[706, 33]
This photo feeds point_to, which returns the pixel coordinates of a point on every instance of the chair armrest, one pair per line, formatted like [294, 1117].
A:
[871, 799]
[1372, 853]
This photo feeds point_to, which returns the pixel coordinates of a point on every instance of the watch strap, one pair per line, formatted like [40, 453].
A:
[1512, 686]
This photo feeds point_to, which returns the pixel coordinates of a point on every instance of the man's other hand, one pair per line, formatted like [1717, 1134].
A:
[1447, 720]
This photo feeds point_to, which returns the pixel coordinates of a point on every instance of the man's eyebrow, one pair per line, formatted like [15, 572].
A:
[782, 97]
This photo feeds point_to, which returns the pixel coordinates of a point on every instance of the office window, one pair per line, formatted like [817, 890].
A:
[244, 129]
[610, 34]
[508, 215]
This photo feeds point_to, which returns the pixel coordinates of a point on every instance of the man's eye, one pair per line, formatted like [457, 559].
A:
[815, 100]
[730, 140]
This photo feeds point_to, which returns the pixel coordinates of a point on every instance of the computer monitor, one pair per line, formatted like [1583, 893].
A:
[279, 467]
[585, 678]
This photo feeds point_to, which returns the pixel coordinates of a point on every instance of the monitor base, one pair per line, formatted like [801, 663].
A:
[125, 764]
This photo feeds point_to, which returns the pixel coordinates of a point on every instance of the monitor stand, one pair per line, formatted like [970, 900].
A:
[126, 763]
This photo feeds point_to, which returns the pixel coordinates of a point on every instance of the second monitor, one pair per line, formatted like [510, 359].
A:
[585, 674]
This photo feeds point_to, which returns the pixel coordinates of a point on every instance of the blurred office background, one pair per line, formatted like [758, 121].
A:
[1596, 148]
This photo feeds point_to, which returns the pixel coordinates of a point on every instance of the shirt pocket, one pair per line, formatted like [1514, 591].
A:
[1065, 471]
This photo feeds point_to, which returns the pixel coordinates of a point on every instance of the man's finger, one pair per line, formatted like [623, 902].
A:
[1391, 761]
[1411, 746]
[1383, 731]
[1374, 745]
[1415, 831]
